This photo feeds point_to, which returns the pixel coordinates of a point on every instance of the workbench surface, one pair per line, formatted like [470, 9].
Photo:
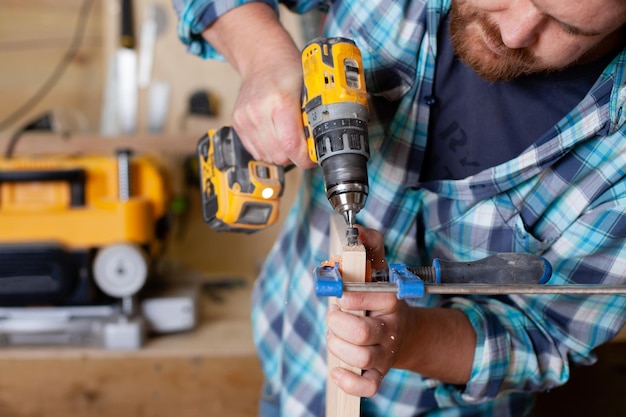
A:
[211, 371]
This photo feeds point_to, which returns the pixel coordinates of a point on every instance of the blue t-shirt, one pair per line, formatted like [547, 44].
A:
[476, 124]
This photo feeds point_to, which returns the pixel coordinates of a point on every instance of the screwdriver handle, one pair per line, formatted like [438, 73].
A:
[501, 269]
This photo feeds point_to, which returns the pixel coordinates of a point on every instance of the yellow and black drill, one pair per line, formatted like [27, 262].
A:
[335, 114]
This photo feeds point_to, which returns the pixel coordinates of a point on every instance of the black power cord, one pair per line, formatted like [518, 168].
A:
[70, 54]
[44, 122]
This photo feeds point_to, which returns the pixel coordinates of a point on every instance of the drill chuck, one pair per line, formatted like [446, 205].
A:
[345, 176]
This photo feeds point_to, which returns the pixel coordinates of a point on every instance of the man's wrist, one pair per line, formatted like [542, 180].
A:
[248, 35]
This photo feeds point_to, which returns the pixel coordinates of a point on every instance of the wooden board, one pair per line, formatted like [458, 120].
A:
[33, 143]
[353, 261]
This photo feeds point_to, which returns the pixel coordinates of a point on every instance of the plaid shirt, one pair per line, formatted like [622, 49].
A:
[563, 198]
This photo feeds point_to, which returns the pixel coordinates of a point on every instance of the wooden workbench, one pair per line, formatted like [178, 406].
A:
[212, 371]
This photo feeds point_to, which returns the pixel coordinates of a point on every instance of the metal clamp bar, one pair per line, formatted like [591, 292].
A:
[487, 289]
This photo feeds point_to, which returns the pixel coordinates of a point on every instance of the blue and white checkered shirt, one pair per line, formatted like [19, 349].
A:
[563, 198]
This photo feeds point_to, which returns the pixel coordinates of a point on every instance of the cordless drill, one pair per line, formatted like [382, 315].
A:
[335, 113]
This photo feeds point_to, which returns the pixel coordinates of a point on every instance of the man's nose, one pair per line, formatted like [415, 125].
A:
[521, 24]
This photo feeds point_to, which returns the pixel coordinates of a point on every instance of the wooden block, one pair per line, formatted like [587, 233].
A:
[354, 261]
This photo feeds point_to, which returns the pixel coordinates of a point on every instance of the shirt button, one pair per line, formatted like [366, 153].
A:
[430, 100]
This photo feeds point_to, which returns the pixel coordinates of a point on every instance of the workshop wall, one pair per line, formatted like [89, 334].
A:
[56, 55]
[35, 37]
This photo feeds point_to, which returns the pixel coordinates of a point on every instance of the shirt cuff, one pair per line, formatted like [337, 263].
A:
[491, 358]
[196, 15]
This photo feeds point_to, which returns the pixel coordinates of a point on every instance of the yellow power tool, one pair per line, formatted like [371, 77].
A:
[241, 194]
[66, 220]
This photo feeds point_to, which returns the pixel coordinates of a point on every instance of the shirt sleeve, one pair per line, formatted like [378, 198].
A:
[196, 15]
[528, 343]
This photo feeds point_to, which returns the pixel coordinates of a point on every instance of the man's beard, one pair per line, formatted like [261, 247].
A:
[470, 47]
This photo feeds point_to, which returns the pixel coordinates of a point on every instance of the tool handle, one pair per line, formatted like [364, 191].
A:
[127, 33]
[501, 269]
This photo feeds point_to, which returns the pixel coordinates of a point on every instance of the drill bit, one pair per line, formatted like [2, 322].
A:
[352, 234]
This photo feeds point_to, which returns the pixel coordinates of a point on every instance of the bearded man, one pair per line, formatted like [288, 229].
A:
[496, 126]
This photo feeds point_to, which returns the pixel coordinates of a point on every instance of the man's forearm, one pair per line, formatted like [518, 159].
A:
[248, 36]
[440, 344]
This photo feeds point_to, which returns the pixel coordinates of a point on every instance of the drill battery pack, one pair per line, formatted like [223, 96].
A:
[238, 193]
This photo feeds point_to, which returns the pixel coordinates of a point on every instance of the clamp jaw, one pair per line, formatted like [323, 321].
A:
[328, 282]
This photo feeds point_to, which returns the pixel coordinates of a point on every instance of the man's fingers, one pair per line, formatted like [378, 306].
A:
[360, 356]
[379, 302]
[365, 385]
[289, 133]
[359, 330]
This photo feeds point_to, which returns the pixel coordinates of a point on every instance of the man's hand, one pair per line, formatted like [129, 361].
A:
[267, 113]
[370, 343]
[435, 342]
